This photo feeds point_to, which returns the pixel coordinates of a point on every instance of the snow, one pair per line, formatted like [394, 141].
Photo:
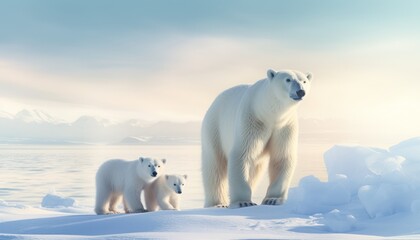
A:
[385, 182]
[313, 196]
[337, 221]
[36, 116]
[409, 149]
[385, 199]
[371, 193]
[360, 164]
[4, 204]
[55, 200]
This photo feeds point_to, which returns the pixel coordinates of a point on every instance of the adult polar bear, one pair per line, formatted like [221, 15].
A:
[246, 128]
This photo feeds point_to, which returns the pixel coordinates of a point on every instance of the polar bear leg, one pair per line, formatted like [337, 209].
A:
[103, 195]
[173, 200]
[150, 198]
[257, 170]
[132, 200]
[239, 188]
[113, 203]
[282, 165]
[164, 204]
[242, 167]
[125, 205]
[214, 172]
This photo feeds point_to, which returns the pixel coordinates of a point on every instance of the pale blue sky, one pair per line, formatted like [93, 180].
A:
[167, 60]
[52, 27]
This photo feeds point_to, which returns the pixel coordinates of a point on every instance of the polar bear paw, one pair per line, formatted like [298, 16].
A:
[273, 201]
[138, 211]
[114, 212]
[242, 204]
[221, 206]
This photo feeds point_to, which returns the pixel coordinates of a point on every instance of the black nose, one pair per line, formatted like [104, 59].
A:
[154, 174]
[300, 93]
[179, 192]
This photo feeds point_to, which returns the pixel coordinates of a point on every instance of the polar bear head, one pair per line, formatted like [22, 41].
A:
[149, 169]
[289, 84]
[176, 182]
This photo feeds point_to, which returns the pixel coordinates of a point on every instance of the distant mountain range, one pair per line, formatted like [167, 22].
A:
[38, 127]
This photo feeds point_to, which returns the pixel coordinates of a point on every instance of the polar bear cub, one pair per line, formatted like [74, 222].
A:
[127, 179]
[163, 193]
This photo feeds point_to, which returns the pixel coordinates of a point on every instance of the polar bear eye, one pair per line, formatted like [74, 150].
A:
[182, 184]
[149, 165]
[304, 81]
[288, 80]
[159, 166]
[174, 184]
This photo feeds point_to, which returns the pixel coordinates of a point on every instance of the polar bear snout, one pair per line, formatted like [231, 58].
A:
[177, 188]
[297, 91]
[154, 174]
[300, 93]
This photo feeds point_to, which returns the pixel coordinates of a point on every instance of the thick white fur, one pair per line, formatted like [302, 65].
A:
[163, 193]
[118, 179]
[247, 128]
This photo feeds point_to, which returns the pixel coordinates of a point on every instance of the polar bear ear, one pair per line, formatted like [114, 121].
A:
[309, 76]
[270, 74]
[141, 159]
[163, 160]
[185, 176]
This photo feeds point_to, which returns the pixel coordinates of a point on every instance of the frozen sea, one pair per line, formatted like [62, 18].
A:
[29, 172]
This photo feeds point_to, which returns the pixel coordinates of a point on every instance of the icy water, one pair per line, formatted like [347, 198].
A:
[29, 172]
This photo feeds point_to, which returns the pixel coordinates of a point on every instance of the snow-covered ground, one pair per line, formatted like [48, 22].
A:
[371, 193]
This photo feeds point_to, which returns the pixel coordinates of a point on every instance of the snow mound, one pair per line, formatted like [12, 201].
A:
[366, 182]
[314, 196]
[409, 149]
[338, 221]
[54, 200]
[4, 204]
[385, 199]
[362, 165]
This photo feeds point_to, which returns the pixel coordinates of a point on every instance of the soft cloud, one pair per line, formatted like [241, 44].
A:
[192, 73]
[358, 83]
